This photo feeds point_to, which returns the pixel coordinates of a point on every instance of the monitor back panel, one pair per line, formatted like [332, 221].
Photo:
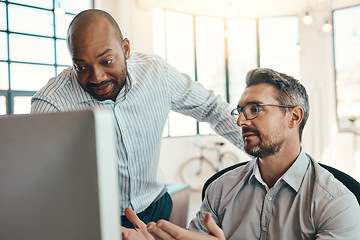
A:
[48, 177]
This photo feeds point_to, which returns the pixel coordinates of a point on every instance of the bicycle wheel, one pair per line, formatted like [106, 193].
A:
[195, 172]
[227, 159]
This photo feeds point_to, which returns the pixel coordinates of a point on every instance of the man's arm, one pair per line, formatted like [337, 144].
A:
[340, 219]
[193, 99]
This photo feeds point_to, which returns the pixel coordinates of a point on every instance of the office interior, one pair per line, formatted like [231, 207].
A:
[324, 138]
[316, 41]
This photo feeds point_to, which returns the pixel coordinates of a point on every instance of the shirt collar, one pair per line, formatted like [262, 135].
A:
[253, 173]
[293, 176]
[257, 175]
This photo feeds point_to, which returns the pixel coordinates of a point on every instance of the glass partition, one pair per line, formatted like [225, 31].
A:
[4, 76]
[36, 3]
[22, 105]
[179, 52]
[219, 52]
[2, 105]
[242, 54]
[279, 44]
[2, 16]
[39, 17]
[347, 67]
[25, 48]
[30, 77]
[210, 51]
[3, 46]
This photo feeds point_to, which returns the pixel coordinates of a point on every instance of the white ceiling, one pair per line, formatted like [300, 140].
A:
[246, 8]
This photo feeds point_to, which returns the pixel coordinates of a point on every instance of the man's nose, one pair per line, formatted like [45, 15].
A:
[241, 121]
[99, 75]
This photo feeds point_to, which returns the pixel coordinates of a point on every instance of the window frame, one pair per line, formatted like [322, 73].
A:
[10, 93]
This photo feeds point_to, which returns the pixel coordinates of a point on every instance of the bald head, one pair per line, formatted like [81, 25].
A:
[87, 19]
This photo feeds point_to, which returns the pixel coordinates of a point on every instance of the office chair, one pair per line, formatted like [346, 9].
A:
[347, 180]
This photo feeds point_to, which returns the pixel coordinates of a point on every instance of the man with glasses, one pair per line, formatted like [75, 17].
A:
[281, 194]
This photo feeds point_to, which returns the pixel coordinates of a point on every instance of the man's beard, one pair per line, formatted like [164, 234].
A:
[267, 145]
[112, 94]
[118, 85]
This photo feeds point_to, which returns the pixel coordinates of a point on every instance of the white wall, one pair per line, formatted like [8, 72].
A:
[135, 23]
[321, 137]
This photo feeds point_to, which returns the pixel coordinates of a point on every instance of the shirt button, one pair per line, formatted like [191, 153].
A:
[264, 229]
[269, 198]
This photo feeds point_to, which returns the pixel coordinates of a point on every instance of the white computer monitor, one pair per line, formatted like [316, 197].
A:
[58, 177]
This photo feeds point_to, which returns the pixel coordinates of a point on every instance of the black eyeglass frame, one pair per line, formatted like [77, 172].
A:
[241, 109]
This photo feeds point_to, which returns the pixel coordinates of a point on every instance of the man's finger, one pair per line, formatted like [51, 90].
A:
[136, 234]
[157, 232]
[125, 233]
[212, 227]
[173, 230]
[131, 215]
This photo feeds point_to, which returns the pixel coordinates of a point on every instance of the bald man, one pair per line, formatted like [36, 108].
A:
[141, 90]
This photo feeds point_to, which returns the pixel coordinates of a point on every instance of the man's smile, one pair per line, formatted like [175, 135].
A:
[102, 89]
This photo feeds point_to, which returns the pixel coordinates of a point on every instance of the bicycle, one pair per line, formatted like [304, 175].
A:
[197, 170]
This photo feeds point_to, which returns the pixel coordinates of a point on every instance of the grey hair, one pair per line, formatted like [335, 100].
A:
[291, 91]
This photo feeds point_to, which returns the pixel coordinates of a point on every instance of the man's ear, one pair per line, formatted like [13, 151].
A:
[296, 116]
[126, 48]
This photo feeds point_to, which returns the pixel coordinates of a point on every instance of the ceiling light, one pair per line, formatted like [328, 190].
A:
[59, 11]
[326, 27]
[307, 19]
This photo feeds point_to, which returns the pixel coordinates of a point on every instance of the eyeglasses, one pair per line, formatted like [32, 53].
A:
[251, 110]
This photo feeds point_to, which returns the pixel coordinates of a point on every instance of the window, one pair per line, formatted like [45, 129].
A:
[219, 52]
[242, 54]
[279, 44]
[179, 34]
[32, 48]
[347, 67]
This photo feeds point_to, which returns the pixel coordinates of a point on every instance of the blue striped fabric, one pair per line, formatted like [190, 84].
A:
[153, 88]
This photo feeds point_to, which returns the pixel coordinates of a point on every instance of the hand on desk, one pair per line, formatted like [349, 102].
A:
[166, 230]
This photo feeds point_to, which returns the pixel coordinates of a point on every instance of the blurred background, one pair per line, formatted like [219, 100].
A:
[215, 43]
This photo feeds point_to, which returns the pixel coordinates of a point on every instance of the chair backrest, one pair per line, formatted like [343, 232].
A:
[347, 180]
[217, 175]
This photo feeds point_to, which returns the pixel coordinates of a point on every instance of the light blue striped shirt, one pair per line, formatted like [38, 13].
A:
[152, 89]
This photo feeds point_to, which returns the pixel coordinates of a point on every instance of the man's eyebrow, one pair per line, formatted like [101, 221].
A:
[252, 102]
[77, 60]
[103, 53]
[99, 55]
